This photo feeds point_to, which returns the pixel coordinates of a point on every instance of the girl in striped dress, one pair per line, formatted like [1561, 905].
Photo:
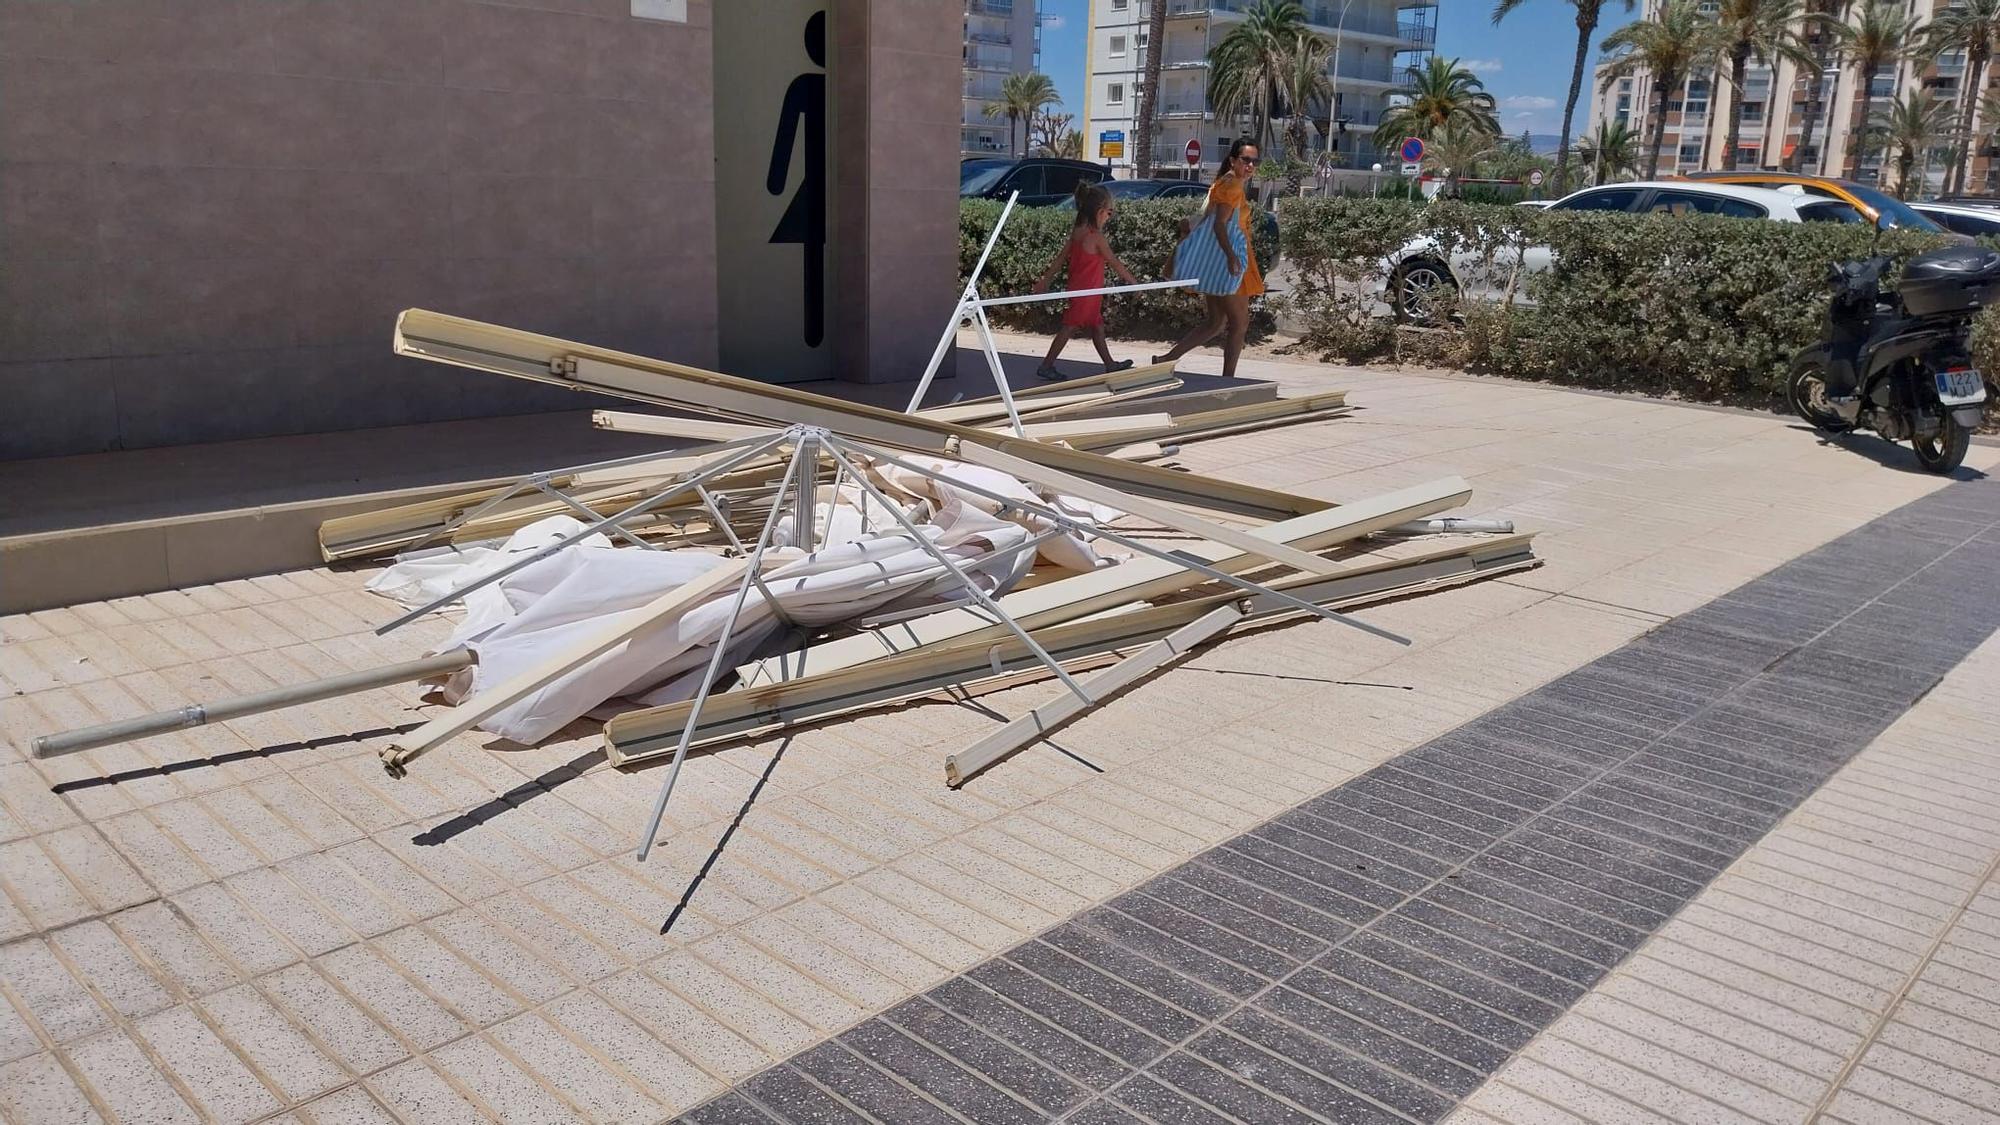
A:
[1218, 255]
[1085, 255]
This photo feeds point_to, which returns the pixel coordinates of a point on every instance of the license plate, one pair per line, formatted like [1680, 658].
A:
[1960, 387]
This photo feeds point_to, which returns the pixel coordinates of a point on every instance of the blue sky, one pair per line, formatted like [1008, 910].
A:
[1525, 61]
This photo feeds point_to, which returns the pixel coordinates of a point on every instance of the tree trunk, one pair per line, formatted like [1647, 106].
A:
[1586, 27]
[1866, 98]
[1975, 67]
[1149, 90]
[1739, 60]
[1814, 92]
[1665, 87]
[1903, 163]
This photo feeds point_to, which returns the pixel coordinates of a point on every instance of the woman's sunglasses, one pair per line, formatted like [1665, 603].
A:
[1251, 160]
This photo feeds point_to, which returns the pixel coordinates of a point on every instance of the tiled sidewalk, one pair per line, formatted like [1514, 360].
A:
[1375, 954]
[249, 921]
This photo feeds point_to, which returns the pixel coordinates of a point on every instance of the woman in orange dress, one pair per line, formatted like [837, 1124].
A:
[1228, 203]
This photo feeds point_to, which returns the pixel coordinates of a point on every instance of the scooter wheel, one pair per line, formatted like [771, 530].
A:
[1806, 390]
[1944, 450]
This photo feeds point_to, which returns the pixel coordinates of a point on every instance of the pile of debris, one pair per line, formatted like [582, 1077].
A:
[814, 557]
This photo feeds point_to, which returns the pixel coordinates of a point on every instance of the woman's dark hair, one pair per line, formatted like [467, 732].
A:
[1236, 148]
[1090, 199]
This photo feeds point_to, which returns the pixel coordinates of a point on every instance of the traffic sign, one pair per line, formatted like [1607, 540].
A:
[1535, 178]
[1413, 149]
[1193, 152]
[1412, 168]
[1111, 144]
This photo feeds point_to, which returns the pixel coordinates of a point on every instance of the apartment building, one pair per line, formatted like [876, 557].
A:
[1377, 42]
[1776, 104]
[1002, 37]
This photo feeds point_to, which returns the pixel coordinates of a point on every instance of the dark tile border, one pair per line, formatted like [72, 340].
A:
[1375, 953]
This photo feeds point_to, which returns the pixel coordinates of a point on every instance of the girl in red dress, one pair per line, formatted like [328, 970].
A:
[1085, 254]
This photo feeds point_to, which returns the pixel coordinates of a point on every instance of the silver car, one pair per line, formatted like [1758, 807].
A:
[1422, 283]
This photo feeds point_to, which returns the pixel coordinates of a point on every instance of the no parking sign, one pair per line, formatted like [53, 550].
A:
[1413, 149]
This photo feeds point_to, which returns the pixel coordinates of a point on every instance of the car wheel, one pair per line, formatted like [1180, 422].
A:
[1422, 291]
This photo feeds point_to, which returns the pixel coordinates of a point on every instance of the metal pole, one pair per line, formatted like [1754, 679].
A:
[968, 295]
[201, 714]
[1181, 560]
[702, 477]
[834, 447]
[999, 373]
[722, 642]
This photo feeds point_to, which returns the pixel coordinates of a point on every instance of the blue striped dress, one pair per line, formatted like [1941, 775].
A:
[1199, 257]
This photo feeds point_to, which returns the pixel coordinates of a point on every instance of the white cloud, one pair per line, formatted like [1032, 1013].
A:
[1529, 102]
[1481, 66]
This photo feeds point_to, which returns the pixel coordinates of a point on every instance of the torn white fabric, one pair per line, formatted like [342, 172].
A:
[868, 563]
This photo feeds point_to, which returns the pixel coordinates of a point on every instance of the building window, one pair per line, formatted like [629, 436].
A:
[1690, 153]
[1114, 94]
[1118, 46]
[1139, 40]
[1753, 111]
[1120, 5]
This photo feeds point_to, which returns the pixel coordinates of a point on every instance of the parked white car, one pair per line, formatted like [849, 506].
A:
[1977, 220]
[1421, 282]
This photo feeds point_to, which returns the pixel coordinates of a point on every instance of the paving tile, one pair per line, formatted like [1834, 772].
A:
[390, 998]
[598, 1093]
[748, 1016]
[40, 887]
[223, 1088]
[107, 967]
[281, 1052]
[414, 1091]
[441, 973]
[121, 1075]
[352, 1105]
[48, 993]
[38, 1089]
[511, 1094]
[794, 1097]
[334, 1021]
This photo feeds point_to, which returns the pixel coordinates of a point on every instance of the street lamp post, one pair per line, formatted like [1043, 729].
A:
[1333, 76]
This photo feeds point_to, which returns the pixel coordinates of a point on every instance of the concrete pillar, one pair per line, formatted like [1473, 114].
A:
[896, 74]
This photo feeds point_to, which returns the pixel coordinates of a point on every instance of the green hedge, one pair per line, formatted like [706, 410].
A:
[1142, 234]
[1700, 307]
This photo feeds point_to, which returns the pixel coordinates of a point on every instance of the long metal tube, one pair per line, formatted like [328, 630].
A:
[611, 521]
[201, 714]
[835, 446]
[792, 474]
[1178, 558]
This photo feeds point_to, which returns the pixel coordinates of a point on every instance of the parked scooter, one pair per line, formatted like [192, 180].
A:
[1901, 366]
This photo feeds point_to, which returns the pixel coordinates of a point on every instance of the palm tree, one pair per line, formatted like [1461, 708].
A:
[1456, 151]
[1149, 90]
[1760, 29]
[1909, 124]
[1303, 85]
[1610, 152]
[1970, 26]
[1879, 38]
[1587, 13]
[1022, 96]
[1440, 96]
[1676, 40]
[1820, 39]
[1246, 70]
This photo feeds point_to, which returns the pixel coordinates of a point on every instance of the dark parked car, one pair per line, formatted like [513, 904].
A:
[1041, 180]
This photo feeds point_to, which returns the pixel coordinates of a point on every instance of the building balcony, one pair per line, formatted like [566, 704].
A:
[990, 8]
[1001, 38]
[1190, 9]
[1422, 36]
[1191, 62]
[1183, 111]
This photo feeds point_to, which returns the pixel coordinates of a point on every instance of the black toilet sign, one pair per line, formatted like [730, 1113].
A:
[802, 125]
[773, 117]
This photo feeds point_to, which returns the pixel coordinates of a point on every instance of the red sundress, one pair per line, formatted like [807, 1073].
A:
[1086, 271]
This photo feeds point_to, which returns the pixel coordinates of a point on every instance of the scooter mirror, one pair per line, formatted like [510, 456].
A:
[1884, 221]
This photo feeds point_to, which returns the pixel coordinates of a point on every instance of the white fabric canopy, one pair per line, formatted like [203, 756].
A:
[866, 565]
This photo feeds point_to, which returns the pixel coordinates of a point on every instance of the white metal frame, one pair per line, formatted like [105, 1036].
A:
[971, 309]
